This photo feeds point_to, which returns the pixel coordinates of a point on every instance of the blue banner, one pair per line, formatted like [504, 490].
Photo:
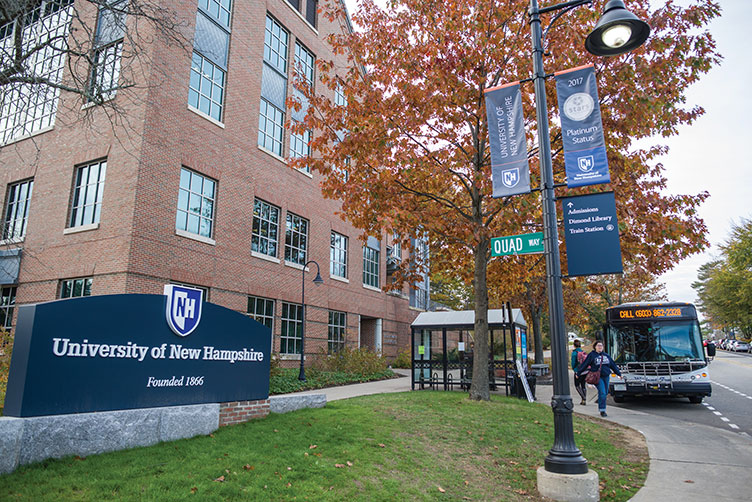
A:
[581, 129]
[591, 233]
[510, 172]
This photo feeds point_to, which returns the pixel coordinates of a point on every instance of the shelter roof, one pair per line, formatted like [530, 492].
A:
[465, 319]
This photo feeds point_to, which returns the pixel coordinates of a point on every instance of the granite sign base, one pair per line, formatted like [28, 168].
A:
[28, 440]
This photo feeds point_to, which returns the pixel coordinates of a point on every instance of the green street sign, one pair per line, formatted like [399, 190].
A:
[517, 244]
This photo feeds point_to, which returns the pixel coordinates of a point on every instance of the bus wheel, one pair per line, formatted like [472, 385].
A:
[695, 399]
[618, 399]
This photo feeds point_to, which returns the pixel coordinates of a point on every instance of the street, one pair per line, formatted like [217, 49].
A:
[729, 406]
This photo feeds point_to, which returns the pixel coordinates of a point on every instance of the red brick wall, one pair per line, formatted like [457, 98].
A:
[242, 411]
[135, 249]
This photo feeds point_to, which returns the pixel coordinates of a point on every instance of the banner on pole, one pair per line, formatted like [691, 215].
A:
[591, 233]
[585, 158]
[510, 172]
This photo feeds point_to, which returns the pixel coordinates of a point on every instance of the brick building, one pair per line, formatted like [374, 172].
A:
[192, 187]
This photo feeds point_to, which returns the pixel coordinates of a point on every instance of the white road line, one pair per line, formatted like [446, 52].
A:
[718, 413]
[733, 426]
[710, 408]
[725, 419]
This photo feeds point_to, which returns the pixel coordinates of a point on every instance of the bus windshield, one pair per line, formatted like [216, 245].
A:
[655, 341]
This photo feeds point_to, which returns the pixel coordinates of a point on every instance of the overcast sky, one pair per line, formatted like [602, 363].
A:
[712, 153]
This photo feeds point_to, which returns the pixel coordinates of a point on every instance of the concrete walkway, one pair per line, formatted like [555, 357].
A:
[688, 462]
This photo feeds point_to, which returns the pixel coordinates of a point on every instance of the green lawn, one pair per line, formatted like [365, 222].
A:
[409, 446]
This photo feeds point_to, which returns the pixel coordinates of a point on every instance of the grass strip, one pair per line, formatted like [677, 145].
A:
[410, 446]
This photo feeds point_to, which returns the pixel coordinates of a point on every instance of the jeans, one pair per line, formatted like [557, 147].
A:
[602, 392]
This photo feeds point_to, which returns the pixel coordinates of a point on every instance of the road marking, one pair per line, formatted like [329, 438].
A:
[719, 414]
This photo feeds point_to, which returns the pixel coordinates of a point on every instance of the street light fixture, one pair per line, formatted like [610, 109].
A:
[317, 281]
[617, 31]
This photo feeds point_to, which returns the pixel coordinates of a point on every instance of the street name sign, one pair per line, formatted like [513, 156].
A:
[517, 244]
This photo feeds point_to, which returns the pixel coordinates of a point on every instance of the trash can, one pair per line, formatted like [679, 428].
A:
[517, 389]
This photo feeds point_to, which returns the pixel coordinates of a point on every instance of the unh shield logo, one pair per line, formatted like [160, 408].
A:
[183, 308]
[510, 177]
[585, 163]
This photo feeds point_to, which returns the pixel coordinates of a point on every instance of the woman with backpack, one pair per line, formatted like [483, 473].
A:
[596, 369]
[578, 357]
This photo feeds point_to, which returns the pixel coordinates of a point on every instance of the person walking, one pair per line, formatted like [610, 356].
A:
[596, 368]
[578, 357]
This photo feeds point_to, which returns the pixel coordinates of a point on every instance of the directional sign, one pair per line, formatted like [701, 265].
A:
[591, 233]
[517, 244]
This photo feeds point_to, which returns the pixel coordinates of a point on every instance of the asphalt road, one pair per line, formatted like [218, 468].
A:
[729, 407]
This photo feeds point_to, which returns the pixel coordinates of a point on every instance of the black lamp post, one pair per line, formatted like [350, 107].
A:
[317, 280]
[617, 31]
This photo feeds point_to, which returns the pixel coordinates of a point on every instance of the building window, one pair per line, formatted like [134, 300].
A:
[17, 210]
[206, 87]
[296, 239]
[300, 147]
[7, 304]
[87, 194]
[312, 11]
[273, 87]
[370, 267]
[265, 228]
[27, 108]
[196, 198]
[292, 328]
[219, 10]
[194, 286]
[73, 288]
[338, 255]
[337, 329]
[304, 64]
[108, 48]
[262, 310]
[339, 95]
[271, 127]
[211, 49]
[275, 45]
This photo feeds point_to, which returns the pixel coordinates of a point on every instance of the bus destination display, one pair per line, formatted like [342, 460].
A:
[645, 312]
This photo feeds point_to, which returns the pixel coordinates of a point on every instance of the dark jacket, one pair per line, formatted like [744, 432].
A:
[593, 361]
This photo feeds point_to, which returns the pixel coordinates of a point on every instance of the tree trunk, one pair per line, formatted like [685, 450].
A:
[479, 390]
[535, 319]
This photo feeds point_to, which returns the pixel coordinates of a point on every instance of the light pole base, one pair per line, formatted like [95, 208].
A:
[569, 487]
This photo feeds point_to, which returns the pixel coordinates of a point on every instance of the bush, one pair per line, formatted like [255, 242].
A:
[403, 360]
[6, 349]
[358, 362]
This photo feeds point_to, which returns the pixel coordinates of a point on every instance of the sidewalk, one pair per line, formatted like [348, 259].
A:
[688, 462]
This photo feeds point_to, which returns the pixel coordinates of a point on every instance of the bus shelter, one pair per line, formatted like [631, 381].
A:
[443, 350]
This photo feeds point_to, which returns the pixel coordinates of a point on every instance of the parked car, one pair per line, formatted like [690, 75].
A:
[741, 346]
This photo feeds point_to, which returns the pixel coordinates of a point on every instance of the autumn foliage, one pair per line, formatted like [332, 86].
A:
[409, 151]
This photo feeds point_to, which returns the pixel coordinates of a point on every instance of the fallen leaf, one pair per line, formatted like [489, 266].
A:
[442, 490]
[248, 467]
[227, 471]
[467, 483]
[275, 430]
[289, 485]
[79, 458]
[220, 479]
[289, 468]
[513, 462]
[194, 489]
[688, 481]
[317, 454]
[305, 453]
[313, 447]
[211, 435]
[382, 445]
[349, 464]
[339, 466]
[521, 492]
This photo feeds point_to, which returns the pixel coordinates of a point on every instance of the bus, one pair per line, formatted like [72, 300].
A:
[658, 348]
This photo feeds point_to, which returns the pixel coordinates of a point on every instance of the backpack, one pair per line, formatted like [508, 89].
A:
[581, 356]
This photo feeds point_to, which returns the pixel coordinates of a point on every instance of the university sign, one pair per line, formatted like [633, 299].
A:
[117, 352]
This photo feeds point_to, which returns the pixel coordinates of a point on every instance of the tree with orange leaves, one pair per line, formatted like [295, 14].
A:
[409, 150]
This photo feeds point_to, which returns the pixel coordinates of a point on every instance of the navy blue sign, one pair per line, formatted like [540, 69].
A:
[581, 129]
[591, 233]
[510, 172]
[117, 352]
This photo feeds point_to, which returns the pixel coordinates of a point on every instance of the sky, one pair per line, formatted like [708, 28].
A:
[710, 154]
